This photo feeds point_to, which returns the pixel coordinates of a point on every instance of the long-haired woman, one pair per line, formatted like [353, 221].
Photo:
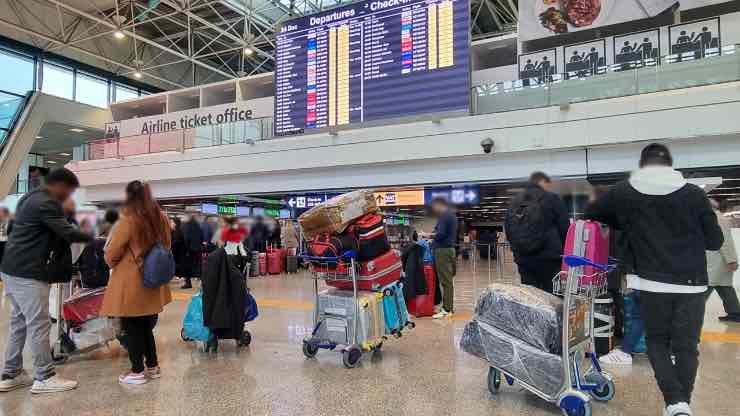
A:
[142, 224]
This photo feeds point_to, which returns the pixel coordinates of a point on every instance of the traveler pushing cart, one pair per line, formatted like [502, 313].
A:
[351, 322]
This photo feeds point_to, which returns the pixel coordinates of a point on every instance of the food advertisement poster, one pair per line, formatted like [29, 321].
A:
[543, 18]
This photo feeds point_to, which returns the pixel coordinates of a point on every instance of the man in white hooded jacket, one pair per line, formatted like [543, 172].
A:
[668, 224]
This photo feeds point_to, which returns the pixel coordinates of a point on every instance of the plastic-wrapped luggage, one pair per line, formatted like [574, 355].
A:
[93, 332]
[83, 306]
[523, 361]
[334, 215]
[337, 313]
[525, 312]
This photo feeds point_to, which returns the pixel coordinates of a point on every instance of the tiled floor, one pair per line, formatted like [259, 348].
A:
[423, 373]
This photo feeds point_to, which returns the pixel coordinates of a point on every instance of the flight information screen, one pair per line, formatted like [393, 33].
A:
[370, 61]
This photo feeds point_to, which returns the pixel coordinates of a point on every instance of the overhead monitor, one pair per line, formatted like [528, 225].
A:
[371, 61]
[211, 209]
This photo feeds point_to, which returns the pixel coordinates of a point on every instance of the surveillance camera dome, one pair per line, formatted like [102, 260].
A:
[487, 145]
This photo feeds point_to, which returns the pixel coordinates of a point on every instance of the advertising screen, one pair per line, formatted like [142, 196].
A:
[370, 61]
[543, 18]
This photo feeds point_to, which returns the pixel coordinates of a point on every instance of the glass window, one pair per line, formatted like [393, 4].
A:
[91, 90]
[123, 93]
[58, 81]
[16, 73]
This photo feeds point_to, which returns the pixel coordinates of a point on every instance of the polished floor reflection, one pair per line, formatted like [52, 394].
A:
[424, 373]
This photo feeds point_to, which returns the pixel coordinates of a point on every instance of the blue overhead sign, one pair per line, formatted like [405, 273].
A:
[458, 195]
[307, 201]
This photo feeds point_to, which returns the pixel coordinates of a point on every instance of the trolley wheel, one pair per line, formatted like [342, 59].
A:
[245, 340]
[378, 346]
[494, 380]
[606, 389]
[351, 356]
[575, 404]
[411, 325]
[310, 349]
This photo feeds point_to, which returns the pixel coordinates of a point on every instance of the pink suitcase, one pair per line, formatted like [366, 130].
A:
[588, 239]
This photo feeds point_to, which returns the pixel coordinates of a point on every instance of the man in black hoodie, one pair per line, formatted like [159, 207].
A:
[668, 225]
[536, 226]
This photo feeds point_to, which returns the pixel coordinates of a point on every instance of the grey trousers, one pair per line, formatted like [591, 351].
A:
[29, 315]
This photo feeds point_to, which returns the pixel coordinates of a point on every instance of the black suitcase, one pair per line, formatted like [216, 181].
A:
[254, 268]
[292, 264]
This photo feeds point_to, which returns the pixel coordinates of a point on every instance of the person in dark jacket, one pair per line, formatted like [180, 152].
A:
[539, 266]
[258, 235]
[668, 225]
[178, 249]
[6, 226]
[224, 296]
[193, 234]
[94, 271]
[445, 259]
[37, 253]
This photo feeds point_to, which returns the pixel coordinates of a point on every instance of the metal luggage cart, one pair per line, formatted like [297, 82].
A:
[344, 268]
[578, 389]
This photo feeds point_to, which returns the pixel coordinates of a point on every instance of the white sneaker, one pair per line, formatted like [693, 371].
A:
[441, 314]
[678, 409]
[616, 357]
[53, 384]
[134, 379]
[20, 381]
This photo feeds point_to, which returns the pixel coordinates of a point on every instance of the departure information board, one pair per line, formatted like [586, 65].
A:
[372, 60]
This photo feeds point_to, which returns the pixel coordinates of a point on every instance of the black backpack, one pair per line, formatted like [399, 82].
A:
[525, 223]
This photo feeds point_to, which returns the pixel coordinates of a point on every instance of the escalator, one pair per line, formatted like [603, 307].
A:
[14, 145]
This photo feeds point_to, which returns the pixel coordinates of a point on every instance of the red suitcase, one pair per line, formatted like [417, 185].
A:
[83, 306]
[275, 261]
[263, 263]
[423, 305]
[588, 239]
[374, 274]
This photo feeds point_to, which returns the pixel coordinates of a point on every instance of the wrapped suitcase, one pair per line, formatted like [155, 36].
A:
[394, 309]
[588, 239]
[423, 305]
[337, 313]
[525, 312]
[374, 274]
[334, 215]
[370, 233]
[83, 306]
[526, 363]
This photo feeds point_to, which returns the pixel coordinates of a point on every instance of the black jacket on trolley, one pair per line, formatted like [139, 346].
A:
[224, 296]
[668, 225]
[414, 282]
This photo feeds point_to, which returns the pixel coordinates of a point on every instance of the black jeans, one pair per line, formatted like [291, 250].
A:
[673, 323]
[539, 272]
[140, 341]
[729, 299]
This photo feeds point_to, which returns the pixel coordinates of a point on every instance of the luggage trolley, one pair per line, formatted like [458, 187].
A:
[578, 292]
[343, 267]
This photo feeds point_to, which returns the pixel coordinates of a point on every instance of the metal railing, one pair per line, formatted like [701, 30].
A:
[631, 77]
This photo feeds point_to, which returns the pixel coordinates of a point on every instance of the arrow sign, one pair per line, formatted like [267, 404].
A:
[291, 202]
[471, 196]
[379, 199]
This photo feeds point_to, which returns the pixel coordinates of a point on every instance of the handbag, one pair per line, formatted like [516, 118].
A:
[251, 312]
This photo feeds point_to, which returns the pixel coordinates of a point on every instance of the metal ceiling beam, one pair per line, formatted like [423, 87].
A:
[140, 38]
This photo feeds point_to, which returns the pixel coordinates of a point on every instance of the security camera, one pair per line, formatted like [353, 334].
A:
[487, 145]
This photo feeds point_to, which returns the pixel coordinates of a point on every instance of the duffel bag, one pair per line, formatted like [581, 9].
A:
[370, 233]
[332, 245]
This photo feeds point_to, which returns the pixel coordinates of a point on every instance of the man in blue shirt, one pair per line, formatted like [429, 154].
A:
[445, 237]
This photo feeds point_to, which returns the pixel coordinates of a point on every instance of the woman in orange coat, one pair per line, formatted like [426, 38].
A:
[141, 225]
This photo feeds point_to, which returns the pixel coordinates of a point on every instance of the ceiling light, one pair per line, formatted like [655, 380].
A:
[118, 34]
[76, 130]
[248, 51]
[138, 75]
[64, 154]
[51, 162]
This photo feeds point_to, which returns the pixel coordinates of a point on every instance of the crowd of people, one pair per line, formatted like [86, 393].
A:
[674, 248]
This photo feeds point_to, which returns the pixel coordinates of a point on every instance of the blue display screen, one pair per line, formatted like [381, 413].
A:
[372, 60]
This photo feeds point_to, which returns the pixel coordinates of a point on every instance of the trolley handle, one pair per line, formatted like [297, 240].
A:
[576, 261]
[351, 254]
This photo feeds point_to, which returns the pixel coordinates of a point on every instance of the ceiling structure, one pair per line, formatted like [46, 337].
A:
[180, 43]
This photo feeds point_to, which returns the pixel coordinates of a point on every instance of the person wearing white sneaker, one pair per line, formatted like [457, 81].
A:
[678, 409]
[132, 378]
[53, 384]
[8, 383]
[631, 337]
[442, 314]
[616, 357]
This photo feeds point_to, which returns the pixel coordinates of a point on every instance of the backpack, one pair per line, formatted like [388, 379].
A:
[525, 224]
[94, 272]
[332, 245]
[158, 267]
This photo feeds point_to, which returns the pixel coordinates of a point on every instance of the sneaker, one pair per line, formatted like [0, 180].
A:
[678, 409]
[53, 384]
[153, 372]
[132, 378]
[616, 357]
[729, 318]
[441, 314]
[20, 381]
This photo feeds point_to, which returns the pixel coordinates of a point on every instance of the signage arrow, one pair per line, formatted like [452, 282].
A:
[470, 196]
[379, 199]
[291, 202]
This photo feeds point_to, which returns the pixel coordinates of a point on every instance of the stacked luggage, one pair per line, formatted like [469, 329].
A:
[343, 232]
[84, 327]
[518, 329]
